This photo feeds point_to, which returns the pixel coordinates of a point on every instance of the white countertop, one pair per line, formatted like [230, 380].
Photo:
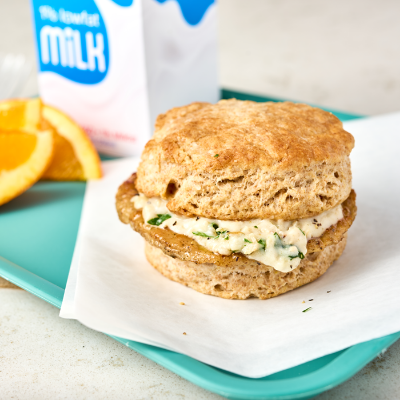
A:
[339, 54]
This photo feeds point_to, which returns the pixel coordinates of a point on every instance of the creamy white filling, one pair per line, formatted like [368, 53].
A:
[280, 244]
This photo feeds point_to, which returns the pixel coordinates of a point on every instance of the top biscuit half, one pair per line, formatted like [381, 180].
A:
[241, 160]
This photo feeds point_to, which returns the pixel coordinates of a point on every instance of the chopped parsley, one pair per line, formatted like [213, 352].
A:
[218, 233]
[216, 156]
[157, 221]
[300, 255]
[226, 238]
[307, 309]
[302, 232]
[278, 240]
[202, 234]
[263, 243]
[279, 243]
[247, 241]
[255, 226]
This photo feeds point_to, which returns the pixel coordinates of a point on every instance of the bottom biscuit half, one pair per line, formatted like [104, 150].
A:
[243, 282]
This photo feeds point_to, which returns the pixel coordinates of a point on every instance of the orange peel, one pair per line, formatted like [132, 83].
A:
[75, 157]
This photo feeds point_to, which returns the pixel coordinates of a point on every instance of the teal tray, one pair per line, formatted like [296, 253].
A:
[37, 238]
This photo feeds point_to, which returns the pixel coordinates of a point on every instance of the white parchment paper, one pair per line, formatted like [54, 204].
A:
[113, 289]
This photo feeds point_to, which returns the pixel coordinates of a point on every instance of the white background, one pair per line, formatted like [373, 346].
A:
[340, 54]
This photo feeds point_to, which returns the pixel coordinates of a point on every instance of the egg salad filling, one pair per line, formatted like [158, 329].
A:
[280, 244]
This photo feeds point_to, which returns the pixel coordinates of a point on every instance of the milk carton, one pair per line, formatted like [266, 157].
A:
[114, 65]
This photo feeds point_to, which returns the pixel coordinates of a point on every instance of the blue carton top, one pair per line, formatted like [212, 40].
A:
[72, 38]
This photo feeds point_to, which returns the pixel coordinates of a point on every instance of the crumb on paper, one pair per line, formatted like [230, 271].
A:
[328, 291]
[182, 303]
[184, 333]
[311, 300]
[303, 302]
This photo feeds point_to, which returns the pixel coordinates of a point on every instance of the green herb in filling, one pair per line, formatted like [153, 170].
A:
[219, 233]
[216, 156]
[157, 221]
[300, 255]
[279, 243]
[247, 241]
[302, 232]
[255, 226]
[263, 243]
[278, 240]
[202, 234]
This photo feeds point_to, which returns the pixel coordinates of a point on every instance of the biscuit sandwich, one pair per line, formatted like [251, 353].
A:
[242, 199]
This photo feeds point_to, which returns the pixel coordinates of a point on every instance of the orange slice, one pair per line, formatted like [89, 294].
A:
[24, 156]
[75, 157]
[20, 114]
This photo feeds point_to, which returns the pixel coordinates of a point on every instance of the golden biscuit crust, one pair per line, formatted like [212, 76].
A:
[243, 281]
[187, 249]
[238, 160]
